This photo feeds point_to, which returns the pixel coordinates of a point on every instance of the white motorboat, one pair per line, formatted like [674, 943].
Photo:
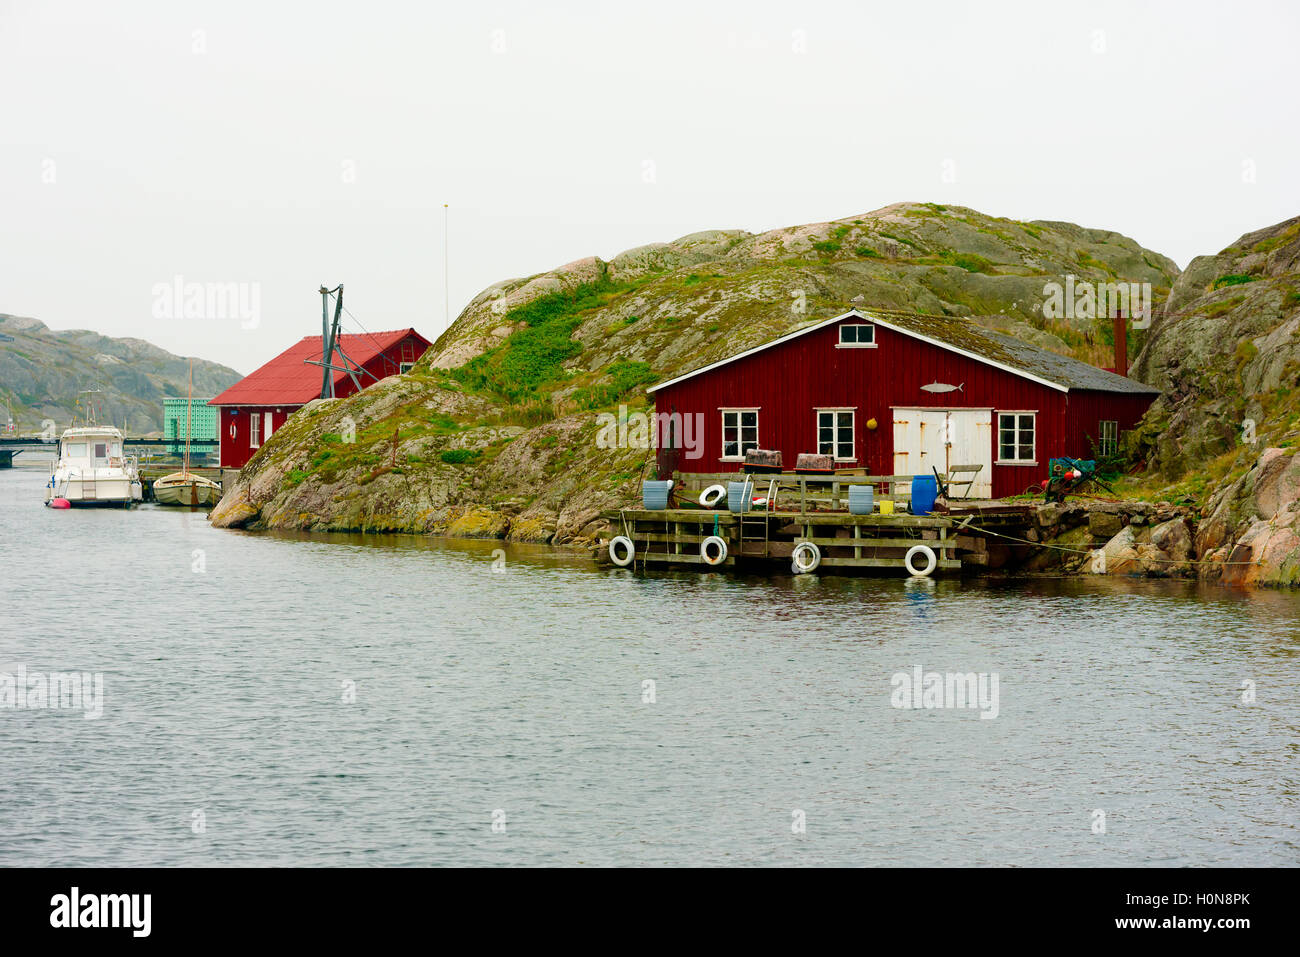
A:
[92, 469]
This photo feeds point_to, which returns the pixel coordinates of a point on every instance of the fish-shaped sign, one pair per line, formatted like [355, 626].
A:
[942, 387]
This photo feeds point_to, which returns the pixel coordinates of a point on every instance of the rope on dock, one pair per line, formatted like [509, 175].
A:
[1089, 551]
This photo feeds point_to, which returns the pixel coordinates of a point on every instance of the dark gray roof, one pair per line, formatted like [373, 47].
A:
[1011, 352]
[1065, 370]
[965, 336]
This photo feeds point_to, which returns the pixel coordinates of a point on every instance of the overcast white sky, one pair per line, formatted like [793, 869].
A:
[290, 144]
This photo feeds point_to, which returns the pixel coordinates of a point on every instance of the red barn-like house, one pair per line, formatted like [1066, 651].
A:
[255, 406]
[900, 395]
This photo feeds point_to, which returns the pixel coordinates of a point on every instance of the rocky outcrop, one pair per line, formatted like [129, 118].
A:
[404, 457]
[1085, 536]
[1252, 533]
[1225, 351]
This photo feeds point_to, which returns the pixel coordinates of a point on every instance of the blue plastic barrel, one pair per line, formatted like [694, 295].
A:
[924, 491]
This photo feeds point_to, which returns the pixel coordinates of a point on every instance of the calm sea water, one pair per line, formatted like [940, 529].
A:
[343, 700]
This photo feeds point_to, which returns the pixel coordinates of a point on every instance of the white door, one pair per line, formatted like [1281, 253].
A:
[971, 443]
[926, 439]
[919, 442]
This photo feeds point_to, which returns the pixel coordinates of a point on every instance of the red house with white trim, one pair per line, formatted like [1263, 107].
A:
[258, 404]
[900, 395]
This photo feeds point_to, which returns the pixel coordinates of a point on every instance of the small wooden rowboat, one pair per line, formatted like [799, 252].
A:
[186, 488]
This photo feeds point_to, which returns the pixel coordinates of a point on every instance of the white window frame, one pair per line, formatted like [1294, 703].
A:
[841, 344]
[740, 435]
[254, 430]
[837, 411]
[405, 367]
[1107, 444]
[1033, 446]
[268, 426]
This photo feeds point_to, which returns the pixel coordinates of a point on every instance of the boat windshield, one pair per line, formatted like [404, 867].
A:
[74, 450]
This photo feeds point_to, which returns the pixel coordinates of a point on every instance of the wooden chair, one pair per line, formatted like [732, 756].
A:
[957, 476]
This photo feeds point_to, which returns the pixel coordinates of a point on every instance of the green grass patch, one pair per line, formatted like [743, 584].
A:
[624, 376]
[968, 261]
[901, 239]
[459, 456]
[1215, 310]
[1092, 263]
[532, 358]
[1233, 279]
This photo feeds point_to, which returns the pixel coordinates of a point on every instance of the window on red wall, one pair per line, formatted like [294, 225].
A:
[1016, 437]
[739, 432]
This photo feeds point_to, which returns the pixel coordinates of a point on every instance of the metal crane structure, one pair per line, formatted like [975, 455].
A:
[330, 344]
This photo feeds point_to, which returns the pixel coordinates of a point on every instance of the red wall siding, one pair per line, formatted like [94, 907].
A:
[788, 382]
[1087, 408]
[382, 366]
[235, 450]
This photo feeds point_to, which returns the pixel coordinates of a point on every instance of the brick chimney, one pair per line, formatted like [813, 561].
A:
[1120, 330]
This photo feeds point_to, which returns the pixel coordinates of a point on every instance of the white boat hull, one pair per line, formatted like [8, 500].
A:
[92, 470]
[105, 491]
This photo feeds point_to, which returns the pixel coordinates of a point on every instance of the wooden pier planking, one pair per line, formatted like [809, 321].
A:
[808, 510]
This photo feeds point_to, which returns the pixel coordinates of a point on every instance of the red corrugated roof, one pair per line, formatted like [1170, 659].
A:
[289, 379]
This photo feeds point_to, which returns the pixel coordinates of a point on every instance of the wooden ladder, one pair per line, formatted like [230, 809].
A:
[746, 521]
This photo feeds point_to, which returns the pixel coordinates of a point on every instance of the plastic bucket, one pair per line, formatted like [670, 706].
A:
[654, 495]
[860, 497]
[740, 496]
[924, 490]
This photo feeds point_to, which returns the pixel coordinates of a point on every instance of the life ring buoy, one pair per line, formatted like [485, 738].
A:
[719, 556]
[712, 495]
[617, 542]
[804, 565]
[232, 430]
[930, 560]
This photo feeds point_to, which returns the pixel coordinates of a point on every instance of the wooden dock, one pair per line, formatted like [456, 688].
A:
[812, 509]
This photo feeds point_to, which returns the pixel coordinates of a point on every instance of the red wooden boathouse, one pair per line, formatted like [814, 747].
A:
[255, 406]
[899, 395]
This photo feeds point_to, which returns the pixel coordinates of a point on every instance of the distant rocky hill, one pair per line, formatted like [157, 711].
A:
[494, 432]
[42, 371]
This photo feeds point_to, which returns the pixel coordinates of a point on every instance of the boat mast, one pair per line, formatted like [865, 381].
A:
[189, 401]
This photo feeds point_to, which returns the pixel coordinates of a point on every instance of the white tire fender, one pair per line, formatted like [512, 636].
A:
[930, 560]
[719, 546]
[621, 542]
[806, 557]
[712, 495]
